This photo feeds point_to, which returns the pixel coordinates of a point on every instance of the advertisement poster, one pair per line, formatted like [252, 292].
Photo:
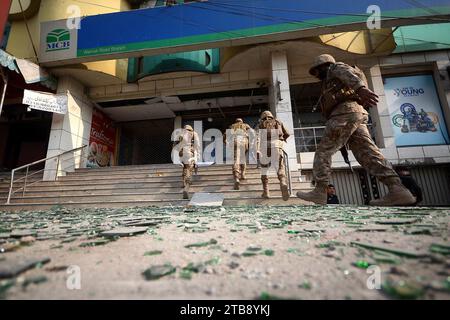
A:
[102, 142]
[415, 111]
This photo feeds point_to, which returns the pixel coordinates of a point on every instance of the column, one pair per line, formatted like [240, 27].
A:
[70, 130]
[280, 101]
[381, 119]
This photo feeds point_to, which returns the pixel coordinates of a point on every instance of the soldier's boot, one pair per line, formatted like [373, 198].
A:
[187, 185]
[318, 195]
[236, 183]
[284, 188]
[398, 195]
[265, 183]
[243, 169]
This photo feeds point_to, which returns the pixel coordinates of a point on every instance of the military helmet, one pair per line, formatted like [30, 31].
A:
[239, 120]
[321, 60]
[266, 114]
[188, 128]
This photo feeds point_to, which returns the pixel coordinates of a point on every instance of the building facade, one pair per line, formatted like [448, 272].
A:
[126, 108]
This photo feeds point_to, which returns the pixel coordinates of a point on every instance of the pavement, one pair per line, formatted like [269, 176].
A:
[244, 252]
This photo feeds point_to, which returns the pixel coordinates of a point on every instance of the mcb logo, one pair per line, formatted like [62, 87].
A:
[58, 39]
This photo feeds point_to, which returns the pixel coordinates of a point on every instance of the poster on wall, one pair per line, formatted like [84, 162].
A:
[102, 142]
[415, 111]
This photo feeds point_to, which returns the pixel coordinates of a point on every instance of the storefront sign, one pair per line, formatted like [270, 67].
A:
[43, 101]
[31, 72]
[217, 23]
[102, 142]
[415, 111]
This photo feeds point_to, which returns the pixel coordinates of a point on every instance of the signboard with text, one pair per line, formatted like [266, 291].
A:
[217, 23]
[43, 101]
[415, 111]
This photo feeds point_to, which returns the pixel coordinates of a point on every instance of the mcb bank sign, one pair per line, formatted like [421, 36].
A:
[58, 39]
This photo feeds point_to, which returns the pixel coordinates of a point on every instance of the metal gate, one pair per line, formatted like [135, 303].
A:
[145, 142]
[351, 188]
[434, 182]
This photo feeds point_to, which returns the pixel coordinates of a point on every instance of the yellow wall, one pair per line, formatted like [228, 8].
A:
[20, 45]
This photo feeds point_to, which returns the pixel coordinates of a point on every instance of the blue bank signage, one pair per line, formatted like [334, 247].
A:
[218, 23]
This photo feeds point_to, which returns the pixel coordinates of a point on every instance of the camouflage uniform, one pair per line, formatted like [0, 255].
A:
[271, 134]
[188, 144]
[347, 124]
[240, 142]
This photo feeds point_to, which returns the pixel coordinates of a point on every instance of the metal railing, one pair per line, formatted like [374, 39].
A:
[59, 162]
[288, 171]
[307, 139]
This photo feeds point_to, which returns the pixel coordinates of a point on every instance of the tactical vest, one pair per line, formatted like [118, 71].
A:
[186, 141]
[240, 129]
[335, 92]
[272, 124]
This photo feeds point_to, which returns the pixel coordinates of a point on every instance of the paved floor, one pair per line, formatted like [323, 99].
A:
[292, 252]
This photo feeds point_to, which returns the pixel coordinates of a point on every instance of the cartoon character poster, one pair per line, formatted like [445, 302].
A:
[415, 111]
[102, 142]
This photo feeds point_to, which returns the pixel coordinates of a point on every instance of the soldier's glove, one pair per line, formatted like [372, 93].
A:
[368, 97]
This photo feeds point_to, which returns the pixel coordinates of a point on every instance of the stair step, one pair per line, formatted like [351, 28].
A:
[176, 171]
[149, 188]
[168, 166]
[156, 181]
[145, 185]
[274, 201]
[159, 174]
[135, 196]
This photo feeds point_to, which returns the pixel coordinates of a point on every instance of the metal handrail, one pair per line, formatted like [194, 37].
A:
[288, 169]
[27, 166]
[311, 142]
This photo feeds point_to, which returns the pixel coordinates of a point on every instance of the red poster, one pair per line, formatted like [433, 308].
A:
[4, 11]
[102, 143]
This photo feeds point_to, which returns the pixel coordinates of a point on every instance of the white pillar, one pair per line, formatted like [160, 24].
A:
[70, 130]
[280, 101]
[381, 119]
[177, 124]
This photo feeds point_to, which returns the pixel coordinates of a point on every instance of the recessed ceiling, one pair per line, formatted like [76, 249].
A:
[156, 109]
[140, 112]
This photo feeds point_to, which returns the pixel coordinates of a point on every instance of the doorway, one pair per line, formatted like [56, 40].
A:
[145, 142]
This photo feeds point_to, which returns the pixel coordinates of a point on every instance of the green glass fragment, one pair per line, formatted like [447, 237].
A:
[267, 296]
[152, 253]
[156, 272]
[402, 289]
[305, 285]
[361, 264]
[186, 274]
[440, 248]
[201, 244]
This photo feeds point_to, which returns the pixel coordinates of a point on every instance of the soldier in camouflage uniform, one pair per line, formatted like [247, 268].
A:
[345, 95]
[239, 139]
[271, 137]
[188, 145]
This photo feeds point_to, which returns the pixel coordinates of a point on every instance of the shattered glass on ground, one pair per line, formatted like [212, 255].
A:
[244, 252]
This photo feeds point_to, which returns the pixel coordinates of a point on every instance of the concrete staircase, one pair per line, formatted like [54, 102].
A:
[145, 185]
